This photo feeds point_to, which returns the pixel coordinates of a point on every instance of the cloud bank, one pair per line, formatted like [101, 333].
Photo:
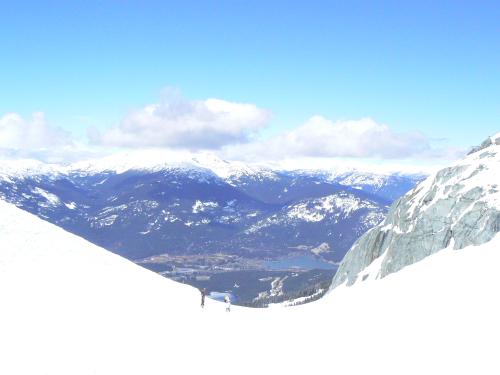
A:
[18, 133]
[321, 137]
[35, 138]
[176, 122]
[231, 130]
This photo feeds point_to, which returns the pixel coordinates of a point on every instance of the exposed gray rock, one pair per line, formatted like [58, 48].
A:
[487, 143]
[456, 207]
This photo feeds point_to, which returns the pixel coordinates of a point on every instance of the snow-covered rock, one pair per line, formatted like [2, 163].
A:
[456, 207]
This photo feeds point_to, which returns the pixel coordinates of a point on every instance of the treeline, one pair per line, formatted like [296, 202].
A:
[309, 294]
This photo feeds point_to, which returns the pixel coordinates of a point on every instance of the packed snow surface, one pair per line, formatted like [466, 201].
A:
[70, 307]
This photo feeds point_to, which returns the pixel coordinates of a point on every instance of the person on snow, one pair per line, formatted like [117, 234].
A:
[203, 294]
[227, 300]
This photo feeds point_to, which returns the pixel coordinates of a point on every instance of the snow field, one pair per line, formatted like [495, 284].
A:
[70, 307]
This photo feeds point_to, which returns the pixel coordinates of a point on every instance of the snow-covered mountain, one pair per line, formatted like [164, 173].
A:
[144, 203]
[456, 207]
[345, 216]
[71, 307]
[160, 160]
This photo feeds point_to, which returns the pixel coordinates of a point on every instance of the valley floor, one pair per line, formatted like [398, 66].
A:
[250, 282]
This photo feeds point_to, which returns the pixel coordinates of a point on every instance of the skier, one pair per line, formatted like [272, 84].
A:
[227, 300]
[203, 294]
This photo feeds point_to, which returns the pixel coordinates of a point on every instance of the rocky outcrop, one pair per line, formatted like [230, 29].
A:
[487, 143]
[456, 207]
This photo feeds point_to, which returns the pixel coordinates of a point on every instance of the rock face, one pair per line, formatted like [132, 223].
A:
[456, 207]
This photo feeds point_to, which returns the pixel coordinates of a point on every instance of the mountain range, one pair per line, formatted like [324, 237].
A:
[192, 217]
[144, 206]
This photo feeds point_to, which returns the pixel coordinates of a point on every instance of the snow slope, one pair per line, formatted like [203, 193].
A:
[69, 307]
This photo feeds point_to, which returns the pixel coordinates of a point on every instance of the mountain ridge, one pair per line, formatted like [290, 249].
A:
[455, 207]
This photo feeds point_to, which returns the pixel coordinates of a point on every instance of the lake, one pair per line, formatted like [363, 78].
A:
[307, 262]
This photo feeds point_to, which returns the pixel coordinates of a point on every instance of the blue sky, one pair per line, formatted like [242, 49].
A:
[429, 66]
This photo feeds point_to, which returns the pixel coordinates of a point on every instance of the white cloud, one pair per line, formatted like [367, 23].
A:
[36, 138]
[180, 123]
[321, 137]
[17, 133]
[230, 129]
